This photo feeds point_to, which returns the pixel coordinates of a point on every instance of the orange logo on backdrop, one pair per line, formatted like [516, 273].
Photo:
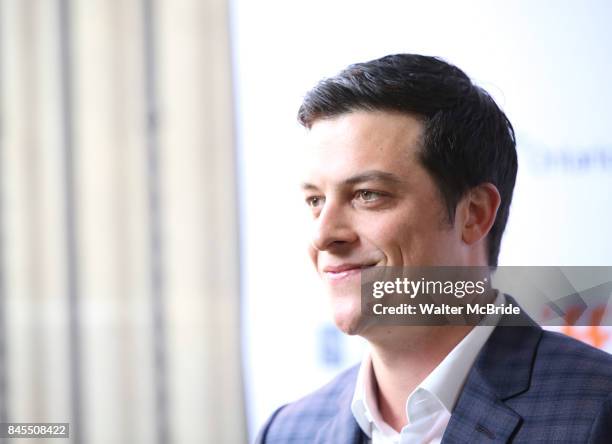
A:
[593, 334]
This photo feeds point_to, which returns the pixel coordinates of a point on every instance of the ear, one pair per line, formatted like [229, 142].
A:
[481, 204]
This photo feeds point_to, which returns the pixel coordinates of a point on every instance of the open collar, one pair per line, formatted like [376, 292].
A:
[502, 370]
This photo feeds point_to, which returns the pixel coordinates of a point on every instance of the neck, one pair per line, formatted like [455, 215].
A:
[402, 357]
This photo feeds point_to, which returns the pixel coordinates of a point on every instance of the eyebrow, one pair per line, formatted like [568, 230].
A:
[366, 176]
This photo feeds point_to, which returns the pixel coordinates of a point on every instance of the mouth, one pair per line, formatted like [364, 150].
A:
[344, 271]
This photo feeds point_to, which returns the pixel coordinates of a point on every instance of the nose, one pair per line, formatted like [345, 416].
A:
[333, 227]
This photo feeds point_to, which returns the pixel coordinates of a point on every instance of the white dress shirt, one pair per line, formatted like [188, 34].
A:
[429, 406]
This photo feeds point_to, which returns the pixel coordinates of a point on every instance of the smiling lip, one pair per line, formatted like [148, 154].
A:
[343, 271]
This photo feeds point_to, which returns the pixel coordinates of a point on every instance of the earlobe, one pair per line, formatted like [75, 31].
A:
[481, 206]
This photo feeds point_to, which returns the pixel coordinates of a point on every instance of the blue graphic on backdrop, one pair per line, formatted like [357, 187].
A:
[331, 346]
[573, 159]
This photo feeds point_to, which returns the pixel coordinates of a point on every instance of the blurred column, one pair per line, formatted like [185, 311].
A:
[37, 353]
[118, 206]
[200, 230]
[3, 367]
[106, 62]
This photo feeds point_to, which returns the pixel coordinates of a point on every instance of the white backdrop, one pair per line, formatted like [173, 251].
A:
[548, 64]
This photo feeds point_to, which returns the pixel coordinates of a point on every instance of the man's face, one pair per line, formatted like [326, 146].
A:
[373, 204]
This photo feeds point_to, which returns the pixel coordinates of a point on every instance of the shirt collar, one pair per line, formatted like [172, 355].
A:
[442, 386]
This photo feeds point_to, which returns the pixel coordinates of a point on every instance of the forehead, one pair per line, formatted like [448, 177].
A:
[351, 143]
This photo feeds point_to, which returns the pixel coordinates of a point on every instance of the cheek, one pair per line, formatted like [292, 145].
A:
[312, 253]
[390, 232]
[406, 236]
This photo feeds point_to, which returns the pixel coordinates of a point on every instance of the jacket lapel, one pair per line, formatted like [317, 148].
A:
[480, 417]
[501, 371]
[342, 428]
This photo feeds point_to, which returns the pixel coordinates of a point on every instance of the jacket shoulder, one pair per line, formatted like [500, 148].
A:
[565, 358]
[299, 421]
[569, 394]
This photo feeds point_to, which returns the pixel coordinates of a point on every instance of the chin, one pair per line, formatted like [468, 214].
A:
[347, 315]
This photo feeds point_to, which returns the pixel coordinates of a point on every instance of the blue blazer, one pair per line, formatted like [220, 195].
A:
[526, 386]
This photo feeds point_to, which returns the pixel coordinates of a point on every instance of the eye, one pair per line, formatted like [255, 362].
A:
[314, 201]
[368, 195]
